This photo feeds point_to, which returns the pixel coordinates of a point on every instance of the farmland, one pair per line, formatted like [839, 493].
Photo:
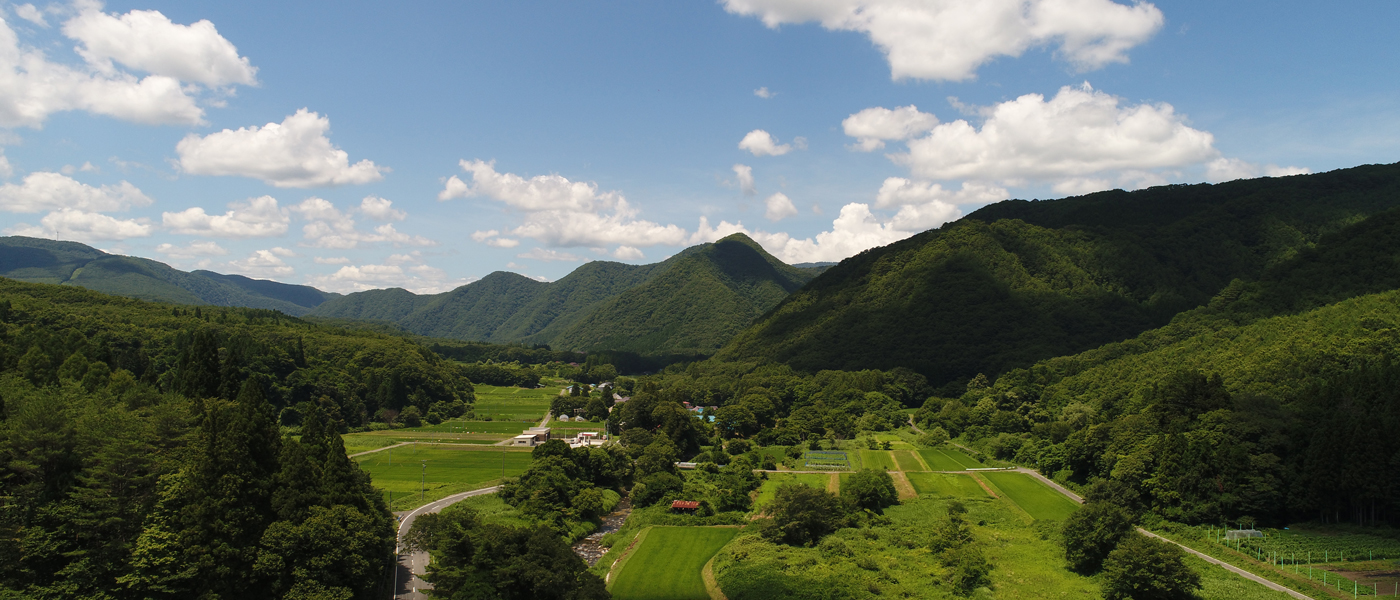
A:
[666, 563]
[948, 459]
[878, 459]
[766, 491]
[946, 484]
[1037, 500]
[512, 403]
[908, 461]
[449, 470]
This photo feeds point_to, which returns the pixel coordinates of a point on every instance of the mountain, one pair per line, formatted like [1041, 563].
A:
[1021, 281]
[691, 302]
[70, 263]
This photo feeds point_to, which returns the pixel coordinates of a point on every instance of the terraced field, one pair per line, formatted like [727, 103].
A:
[908, 461]
[1036, 499]
[878, 459]
[948, 459]
[946, 484]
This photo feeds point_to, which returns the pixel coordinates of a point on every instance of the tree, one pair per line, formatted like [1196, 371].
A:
[1143, 568]
[802, 515]
[871, 489]
[1092, 532]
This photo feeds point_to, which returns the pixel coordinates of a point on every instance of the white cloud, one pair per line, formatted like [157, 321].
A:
[872, 126]
[898, 191]
[256, 217]
[563, 213]
[292, 154]
[491, 238]
[420, 279]
[764, 93]
[86, 168]
[381, 209]
[761, 143]
[42, 191]
[29, 13]
[192, 250]
[1078, 133]
[951, 39]
[779, 207]
[855, 230]
[1229, 169]
[148, 41]
[5, 169]
[627, 253]
[549, 255]
[744, 174]
[331, 260]
[80, 225]
[328, 227]
[32, 87]
[264, 264]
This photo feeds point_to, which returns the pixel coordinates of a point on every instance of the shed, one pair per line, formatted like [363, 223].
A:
[685, 506]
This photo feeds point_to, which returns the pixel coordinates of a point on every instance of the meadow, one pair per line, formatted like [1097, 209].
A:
[667, 561]
[948, 459]
[1039, 501]
[946, 484]
[908, 460]
[512, 403]
[769, 488]
[877, 459]
[398, 472]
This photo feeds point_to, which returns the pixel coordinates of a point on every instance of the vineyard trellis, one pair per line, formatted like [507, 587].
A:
[1313, 555]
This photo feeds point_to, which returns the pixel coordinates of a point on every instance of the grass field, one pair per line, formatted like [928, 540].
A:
[948, 459]
[770, 487]
[908, 461]
[511, 403]
[946, 484]
[449, 470]
[1033, 497]
[878, 459]
[666, 564]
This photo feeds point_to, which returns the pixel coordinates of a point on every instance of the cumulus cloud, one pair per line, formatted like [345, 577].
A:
[192, 250]
[1230, 169]
[292, 154]
[549, 255]
[80, 225]
[42, 191]
[179, 62]
[898, 191]
[744, 175]
[761, 143]
[855, 230]
[1077, 133]
[255, 217]
[491, 238]
[764, 93]
[264, 264]
[331, 260]
[397, 272]
[627, 253]
[329, 227]
[562, 213]
[951, 39]
[148, 41]
[381, 209]
[779, 207]
[873, 126]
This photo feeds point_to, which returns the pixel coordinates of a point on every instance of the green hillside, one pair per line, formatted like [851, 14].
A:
[1020, 281]
[696, 305]
[70, 263]
[691, 302]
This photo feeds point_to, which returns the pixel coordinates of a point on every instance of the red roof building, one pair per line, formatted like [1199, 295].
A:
[685, 505]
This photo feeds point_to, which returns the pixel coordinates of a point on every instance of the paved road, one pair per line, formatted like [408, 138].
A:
[408, 576]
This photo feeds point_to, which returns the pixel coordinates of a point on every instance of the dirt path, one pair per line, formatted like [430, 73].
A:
[834, 485]
[381, 449]
[920, 458]
[983, 483]
[711, 584]
[901, 484]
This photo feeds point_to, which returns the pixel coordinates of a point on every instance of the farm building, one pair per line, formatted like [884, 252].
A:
[533, 436]
[685, 506]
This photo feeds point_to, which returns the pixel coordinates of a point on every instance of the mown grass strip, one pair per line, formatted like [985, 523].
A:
[908, 461]
[667, 564]
[878, 459]
[946, 484]
[1039, 501]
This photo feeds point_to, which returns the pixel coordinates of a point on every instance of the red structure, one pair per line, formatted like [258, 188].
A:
[687, 506]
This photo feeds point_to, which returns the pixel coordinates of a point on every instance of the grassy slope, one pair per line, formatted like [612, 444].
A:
[1038, 501]
[666, 565]
[1018, 282]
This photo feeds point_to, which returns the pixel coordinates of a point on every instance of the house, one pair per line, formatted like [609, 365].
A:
[533, 436]
[685, 506]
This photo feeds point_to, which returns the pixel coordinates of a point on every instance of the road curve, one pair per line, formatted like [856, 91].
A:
[411, 566]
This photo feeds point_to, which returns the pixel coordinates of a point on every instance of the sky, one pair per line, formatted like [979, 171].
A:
[356, 145]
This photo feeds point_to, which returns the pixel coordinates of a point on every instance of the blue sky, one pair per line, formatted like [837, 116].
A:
[355, 145]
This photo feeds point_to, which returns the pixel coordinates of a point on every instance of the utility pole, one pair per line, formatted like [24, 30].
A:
[422, 484]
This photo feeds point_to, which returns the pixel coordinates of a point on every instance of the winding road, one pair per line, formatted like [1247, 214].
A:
[408, 580]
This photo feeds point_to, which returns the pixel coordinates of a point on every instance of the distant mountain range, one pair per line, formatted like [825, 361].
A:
[694, 301]
[70, 263]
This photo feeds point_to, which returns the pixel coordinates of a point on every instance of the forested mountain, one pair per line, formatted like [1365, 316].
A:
[141, 454]
[691, 302]
[1022, 281]
[70, 263]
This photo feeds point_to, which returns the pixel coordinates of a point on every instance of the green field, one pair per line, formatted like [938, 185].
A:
[770, 487]
[1033, 497]
[878, 460]
[948, 459]
[907, 461]
[666, 564]
[512, 403]
[946, 484]
[449, 470]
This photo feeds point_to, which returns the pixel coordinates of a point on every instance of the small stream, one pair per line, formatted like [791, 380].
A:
[590, 549]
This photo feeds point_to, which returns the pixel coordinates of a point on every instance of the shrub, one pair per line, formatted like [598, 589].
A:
[1143, 568]
[871, 489]
[1092, 532]
[802, 515]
